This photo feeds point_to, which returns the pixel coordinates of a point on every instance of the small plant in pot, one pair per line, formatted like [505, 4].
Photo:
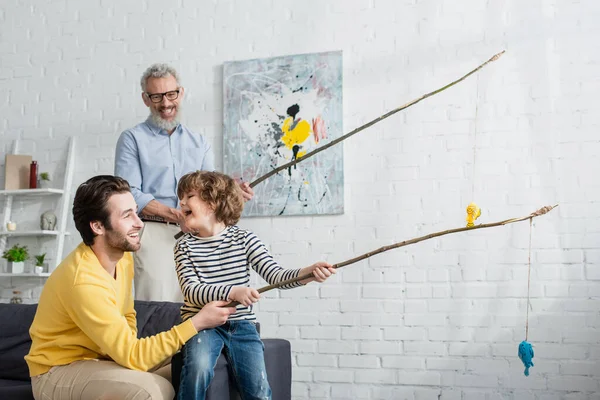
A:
[39, 260]
[44, 180]
[39, 263]
[16, 257]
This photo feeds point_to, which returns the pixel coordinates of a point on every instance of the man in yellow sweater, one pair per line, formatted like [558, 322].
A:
[84, 335]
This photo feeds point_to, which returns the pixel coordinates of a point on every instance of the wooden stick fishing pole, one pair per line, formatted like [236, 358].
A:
[373, 122]
[537, 213]
[367, 125]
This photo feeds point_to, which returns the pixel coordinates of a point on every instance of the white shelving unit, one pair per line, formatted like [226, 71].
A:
[61, 229]
[27, 274]
[31, 233]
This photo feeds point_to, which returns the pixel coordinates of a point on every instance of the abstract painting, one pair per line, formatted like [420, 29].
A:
[276, 110]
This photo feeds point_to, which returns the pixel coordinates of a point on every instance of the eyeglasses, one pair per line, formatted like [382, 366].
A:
[157, 97]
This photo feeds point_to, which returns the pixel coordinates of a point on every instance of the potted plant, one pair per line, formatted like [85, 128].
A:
[44, 180]
[16, 257]
[39, 263]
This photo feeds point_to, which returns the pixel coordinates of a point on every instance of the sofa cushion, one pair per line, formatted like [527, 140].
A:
[14, 340]
[15, 390]
[155, 317]
[278, 360]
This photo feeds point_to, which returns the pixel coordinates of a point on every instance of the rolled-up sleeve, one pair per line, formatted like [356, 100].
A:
[127, 166]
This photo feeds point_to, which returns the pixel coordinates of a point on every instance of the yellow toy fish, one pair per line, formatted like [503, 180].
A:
[473, 212]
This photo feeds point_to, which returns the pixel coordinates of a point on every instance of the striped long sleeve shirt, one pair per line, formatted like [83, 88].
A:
[207, 268]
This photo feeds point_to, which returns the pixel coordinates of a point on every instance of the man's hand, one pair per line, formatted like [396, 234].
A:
[177, 213]
[247, 191]
[244, 295]
[321, 271]
[155, 208]
[212, 315]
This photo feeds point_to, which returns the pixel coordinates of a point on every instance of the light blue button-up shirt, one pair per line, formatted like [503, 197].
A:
[152, 161]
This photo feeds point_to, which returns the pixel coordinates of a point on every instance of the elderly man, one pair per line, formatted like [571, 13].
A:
[152, 157]
[84, 335]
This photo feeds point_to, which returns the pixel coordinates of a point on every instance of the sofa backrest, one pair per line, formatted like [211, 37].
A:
[156, 316]
[15, 319]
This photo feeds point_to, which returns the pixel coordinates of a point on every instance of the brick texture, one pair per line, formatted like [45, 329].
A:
[438, 320]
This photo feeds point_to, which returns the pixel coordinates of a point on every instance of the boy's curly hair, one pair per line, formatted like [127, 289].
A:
[219, 191]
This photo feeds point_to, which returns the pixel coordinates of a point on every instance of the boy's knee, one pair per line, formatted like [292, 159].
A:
[199, 360]
[202, 366]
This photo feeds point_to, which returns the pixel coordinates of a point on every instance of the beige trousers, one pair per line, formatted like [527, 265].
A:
[102, 380]
[155, 277]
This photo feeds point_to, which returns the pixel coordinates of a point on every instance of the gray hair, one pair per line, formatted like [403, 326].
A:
[158, 70]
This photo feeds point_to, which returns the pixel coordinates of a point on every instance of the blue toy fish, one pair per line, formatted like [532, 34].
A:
[526, 355]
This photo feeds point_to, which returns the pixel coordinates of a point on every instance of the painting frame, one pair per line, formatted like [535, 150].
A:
[276, 110]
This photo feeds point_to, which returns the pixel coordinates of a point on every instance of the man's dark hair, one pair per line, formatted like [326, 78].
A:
[90, 203]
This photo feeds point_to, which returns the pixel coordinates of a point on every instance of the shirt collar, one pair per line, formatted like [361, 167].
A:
[219, 235]
[88, 254]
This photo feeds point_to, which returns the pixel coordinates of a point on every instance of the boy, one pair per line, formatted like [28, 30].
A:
[214, 264]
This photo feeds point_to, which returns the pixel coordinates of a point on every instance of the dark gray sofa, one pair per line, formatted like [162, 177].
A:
[152, 318]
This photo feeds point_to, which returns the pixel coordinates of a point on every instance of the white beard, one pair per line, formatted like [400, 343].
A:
[167, 125]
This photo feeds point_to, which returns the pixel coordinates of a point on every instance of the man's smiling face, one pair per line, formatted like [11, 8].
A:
[165, 114]
[125, 225]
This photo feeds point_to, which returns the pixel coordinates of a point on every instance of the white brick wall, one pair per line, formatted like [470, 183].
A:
[438, 320]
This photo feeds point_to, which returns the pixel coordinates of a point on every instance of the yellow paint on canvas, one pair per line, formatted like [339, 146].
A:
[299, 134]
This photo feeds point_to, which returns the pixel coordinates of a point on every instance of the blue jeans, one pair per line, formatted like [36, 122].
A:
[245, 355]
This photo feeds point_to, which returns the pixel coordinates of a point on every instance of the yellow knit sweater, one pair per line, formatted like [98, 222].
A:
[84, 313]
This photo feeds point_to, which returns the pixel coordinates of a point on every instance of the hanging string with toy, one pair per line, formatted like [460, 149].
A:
[473, 211]
[525, 349]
